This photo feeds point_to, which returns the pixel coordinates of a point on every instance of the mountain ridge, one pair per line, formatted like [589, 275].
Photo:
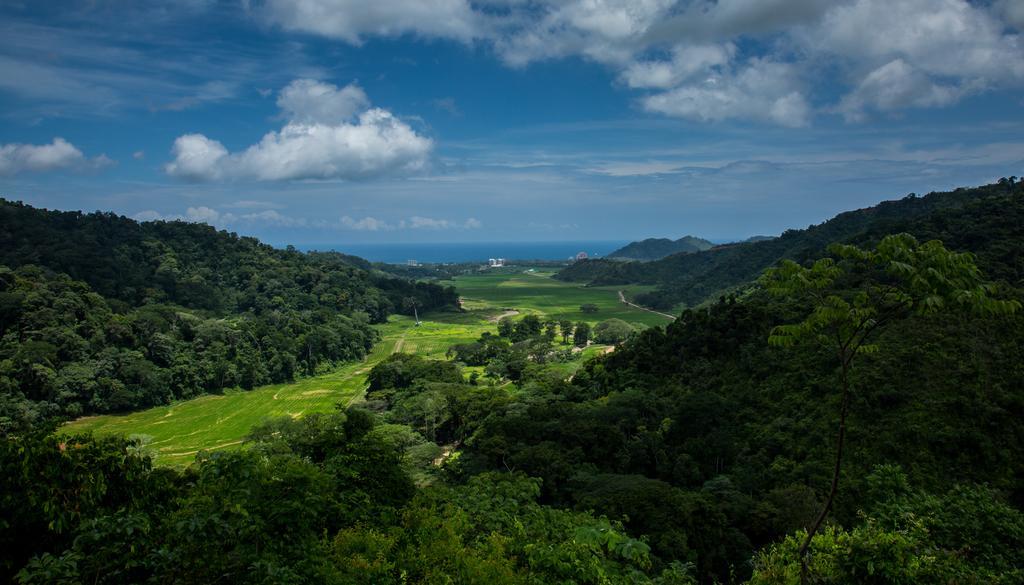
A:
[657, 248]
[692, 278]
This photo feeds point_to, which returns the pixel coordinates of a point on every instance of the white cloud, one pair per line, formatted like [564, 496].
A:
[761, 90]
[272, 217]
[308, 101]
[149, 215]
[197, 158]
[607, 31]
[318, 142]
[59, 154]
[879, 54]
[202, 214]
[416, 222]
[370, 224]
[917, 53]
[211, 216]
[893, 86]
[352, 20]
[686, 62]
[139, 154]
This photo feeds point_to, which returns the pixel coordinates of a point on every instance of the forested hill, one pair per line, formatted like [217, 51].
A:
[189, 264]
[101, 313]
[979, 220]
[658, 248]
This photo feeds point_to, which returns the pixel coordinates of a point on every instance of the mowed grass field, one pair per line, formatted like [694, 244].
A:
[538, 292]
[173, 434]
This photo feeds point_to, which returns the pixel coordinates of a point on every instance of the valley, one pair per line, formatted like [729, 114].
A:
[173, 434]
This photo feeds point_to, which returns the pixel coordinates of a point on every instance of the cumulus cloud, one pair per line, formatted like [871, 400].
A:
[917, 53]
[607, 31]
[692, 58]
[275, 218]
[330, 134]
[894, 86]
[58, 155]
[197, 158]
[309, 101]
[352, 20]
[149, 215]
[211, 216]
[762, 90]
[202, 214]
[686, 62]
[370, 224]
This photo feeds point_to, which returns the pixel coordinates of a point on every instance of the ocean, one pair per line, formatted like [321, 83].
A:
[471, 251]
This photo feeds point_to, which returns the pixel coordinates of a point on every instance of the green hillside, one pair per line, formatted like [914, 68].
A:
[697, 277]
[858, 417]
[100, 313]
[658, 248]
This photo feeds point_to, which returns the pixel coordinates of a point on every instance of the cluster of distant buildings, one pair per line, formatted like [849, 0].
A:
[495, 262]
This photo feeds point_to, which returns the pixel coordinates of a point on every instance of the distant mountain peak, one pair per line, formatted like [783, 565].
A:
[658, 248]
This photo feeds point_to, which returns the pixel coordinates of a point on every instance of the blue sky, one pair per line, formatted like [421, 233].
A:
[334, 121]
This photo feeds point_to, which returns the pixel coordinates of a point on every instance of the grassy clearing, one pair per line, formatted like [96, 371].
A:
[537, 292]
[175, 433]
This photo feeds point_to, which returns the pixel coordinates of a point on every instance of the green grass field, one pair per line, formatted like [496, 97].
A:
[173, 434]
[539, 293]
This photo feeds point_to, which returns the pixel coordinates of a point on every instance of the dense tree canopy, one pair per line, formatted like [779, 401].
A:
[983, 220]
[99, 313]
[694, 453]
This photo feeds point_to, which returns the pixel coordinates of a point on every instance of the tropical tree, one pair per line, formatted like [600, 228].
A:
[565, 326]
[612, 331]
[858, 293]
[506, 327]
[581, 334]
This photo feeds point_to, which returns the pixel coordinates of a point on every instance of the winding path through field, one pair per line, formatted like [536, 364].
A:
[622, 297]
[508, 313]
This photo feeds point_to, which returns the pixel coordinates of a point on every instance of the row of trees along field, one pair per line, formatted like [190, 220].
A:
[99, 313]
[858, 418]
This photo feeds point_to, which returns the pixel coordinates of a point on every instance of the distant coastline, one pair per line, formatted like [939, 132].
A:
[400, 253]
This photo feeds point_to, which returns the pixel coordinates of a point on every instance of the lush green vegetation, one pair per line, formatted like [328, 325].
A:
[99, 313]
[658, 248]
[967, 220]
[537, 291]
[855, 418]
[172, 434]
